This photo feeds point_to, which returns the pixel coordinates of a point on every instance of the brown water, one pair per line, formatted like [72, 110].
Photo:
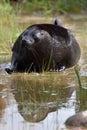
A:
[44, 101]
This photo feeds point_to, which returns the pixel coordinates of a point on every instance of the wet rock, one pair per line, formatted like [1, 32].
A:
[79, 119]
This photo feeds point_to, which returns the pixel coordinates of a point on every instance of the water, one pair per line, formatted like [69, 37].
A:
[44, 101]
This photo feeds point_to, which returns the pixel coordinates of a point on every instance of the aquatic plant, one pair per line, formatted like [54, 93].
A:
[78, 76]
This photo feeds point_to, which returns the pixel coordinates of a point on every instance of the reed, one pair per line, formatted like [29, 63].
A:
[78, 76]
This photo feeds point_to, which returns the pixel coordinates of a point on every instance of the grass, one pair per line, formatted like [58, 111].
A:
[38, 87]
[9, 28]
[78, 76]
[39, 92]
[33, 90]
[81, 80]
[50, 7]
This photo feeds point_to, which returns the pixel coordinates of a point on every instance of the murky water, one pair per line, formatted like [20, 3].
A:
[44, 101]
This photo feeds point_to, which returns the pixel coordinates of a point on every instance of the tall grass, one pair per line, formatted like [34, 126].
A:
[48, 7]
[78, 76]
[9, 29]
[53, 7]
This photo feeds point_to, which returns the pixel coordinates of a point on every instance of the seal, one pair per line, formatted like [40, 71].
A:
[44, 47]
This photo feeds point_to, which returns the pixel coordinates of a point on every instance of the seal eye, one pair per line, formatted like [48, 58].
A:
[39, 35]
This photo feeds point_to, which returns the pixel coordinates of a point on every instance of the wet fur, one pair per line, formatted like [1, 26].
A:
[40, 44]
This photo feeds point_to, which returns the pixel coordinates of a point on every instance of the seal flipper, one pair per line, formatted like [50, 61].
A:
[11, 68]
[60, 67]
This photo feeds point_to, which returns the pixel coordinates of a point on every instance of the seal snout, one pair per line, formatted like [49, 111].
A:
[27, 41]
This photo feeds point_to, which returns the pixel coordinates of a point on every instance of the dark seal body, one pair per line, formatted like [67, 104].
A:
[44, 47]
